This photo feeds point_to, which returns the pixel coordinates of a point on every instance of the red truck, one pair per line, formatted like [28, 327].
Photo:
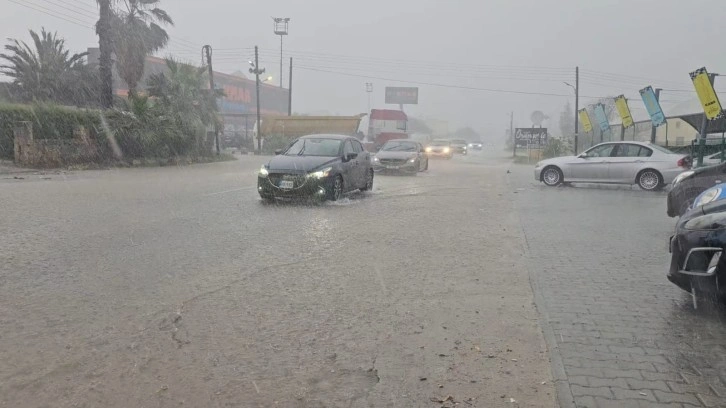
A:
[385, 125]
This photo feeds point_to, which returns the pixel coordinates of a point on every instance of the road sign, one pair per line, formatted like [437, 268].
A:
[621, 104]
[602, 118]
[706, 94]
[652, 106]
[402, 96]
[537, 118]
[525, 136]
[585, 120]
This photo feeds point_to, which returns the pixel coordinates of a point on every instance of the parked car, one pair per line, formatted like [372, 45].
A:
[402, 156]
[689, 184]
[439, 148]
[459, 146]
[648, 165]
[319, 166]
[697, 262]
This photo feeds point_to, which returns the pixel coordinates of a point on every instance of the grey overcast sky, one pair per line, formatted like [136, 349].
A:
[513, 45]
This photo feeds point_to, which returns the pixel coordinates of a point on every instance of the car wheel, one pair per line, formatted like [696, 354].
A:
[649, 180]
[369, 181]
[552, 176]
[336, 190]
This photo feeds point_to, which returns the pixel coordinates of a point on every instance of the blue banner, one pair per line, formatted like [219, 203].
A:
[601, 117]
[653, 106]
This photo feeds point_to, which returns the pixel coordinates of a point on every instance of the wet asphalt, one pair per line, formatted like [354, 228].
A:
[178, 286]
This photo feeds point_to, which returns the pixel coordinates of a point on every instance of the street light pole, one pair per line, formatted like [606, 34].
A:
[576, 88]
[257, 71]
[281, 25]
[207, 50]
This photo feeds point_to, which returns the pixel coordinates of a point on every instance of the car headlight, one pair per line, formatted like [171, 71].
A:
[446, 149]
[375, 159]
[707, 196]
[683, 176]
[263, 171]
[412, 160]
[428, 150]
[320, 173]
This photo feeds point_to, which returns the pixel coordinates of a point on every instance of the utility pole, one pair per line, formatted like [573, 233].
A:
[207, 50]
[105, 45]
[257, 71]
[653, 128]
[369, 91]
[289, 92]
[281, 25]
[577, 106]
[511, 132]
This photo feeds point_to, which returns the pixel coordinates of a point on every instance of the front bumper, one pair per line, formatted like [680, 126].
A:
[692, 253]
[406, 167]
[538, 174]
[459, 150]
[303, 187]
[439, 153]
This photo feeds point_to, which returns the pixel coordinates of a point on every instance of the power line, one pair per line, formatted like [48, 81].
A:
[71, 8]
[52, 13]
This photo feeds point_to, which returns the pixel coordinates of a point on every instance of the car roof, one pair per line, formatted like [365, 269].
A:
[327, 136]
[402, 140]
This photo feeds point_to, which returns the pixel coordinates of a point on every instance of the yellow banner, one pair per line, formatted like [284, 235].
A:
[706, 94]
[622, 106]
[585, 120]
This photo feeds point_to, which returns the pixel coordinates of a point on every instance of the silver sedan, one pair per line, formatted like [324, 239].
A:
[648, 165]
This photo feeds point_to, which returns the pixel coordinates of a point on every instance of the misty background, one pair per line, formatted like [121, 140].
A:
[474, 61]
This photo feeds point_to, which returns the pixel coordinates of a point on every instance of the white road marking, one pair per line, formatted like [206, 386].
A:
[229, 191]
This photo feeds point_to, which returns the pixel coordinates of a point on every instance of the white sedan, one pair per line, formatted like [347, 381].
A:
[648, 165]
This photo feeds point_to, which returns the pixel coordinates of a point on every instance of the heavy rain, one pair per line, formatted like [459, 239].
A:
[362, 204]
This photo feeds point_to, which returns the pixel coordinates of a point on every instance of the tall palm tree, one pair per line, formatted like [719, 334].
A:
[47, 70]
[138, 32]
[105, 48]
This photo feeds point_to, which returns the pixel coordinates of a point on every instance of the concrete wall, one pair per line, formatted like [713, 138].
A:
[32, 152]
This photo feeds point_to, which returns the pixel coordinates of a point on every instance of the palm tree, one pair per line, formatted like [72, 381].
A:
[138, 32]
[47, 71]
[105, 47]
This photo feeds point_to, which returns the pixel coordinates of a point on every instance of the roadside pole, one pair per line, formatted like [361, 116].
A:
[653, 128]
[511, 132]
[207, 49]
[577, 105]
[289, 92]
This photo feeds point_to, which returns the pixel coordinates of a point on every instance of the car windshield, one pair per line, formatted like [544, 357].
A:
[458, 142]
[314, 147]
[440, 143]
[400, 147]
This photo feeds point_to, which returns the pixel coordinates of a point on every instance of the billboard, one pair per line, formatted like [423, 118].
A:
[402, 95]
[621, 104]
[601, 117]
[652, 106]
[585, 120]
[525, 136]
[706, 94]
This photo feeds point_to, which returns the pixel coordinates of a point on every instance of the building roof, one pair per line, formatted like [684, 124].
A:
[387, 114]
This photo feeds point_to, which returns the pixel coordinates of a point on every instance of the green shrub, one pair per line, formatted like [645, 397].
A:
[49, 122]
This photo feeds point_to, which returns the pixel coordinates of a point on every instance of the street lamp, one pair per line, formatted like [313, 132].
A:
[280, 27]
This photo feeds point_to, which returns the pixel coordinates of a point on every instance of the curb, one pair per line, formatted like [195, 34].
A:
[563, 392]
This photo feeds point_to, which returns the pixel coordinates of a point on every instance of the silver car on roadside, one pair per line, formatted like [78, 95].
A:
[648, 165]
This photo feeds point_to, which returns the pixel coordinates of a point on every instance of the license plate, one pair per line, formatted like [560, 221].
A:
[393, 167]
[286, 184]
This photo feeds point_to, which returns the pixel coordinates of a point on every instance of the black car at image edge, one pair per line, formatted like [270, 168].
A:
[316, 166]
[689, 184]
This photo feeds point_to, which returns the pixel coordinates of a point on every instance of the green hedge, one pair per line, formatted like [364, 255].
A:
[49, 122]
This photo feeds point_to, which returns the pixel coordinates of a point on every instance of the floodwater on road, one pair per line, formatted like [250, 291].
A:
[162, 287]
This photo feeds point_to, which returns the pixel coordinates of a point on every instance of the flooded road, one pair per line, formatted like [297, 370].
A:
[167, 287]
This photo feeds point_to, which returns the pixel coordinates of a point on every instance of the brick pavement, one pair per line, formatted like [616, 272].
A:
[620, 333]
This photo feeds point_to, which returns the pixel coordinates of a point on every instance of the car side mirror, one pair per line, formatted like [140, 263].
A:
[278, 151]
[350, 156]
[583, 155]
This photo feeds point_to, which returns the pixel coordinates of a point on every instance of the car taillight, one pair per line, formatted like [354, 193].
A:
[683, 162]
